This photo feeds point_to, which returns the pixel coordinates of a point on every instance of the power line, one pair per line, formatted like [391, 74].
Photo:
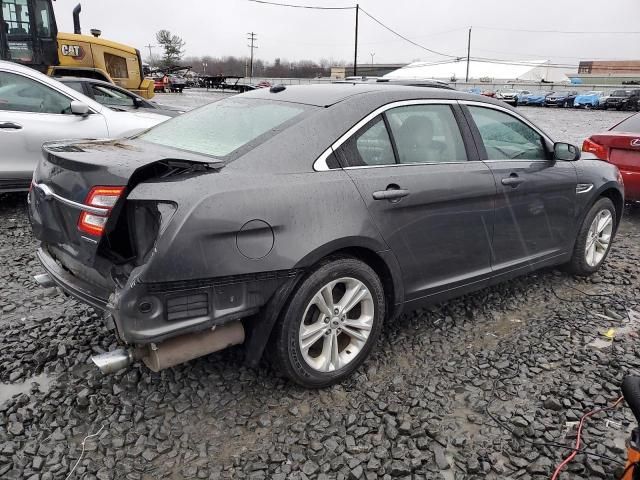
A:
[309, 7]
[405, 38]
[569, 32]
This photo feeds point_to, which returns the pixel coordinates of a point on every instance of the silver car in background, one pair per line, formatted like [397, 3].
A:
[35, 109]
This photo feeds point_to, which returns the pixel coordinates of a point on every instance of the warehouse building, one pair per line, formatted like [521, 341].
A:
[608, 72]
[490, 72]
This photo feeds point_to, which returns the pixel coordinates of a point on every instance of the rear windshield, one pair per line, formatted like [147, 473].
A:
[631, 124]
[220, 128]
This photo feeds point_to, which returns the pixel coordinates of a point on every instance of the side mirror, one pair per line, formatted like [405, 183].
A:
[566, 152]
[79, 108]
[137, 102]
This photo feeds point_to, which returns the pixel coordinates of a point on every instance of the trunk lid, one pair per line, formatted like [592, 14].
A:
[69, 171]
[623, 147]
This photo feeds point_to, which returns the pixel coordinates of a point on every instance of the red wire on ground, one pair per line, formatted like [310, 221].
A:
[578, 438]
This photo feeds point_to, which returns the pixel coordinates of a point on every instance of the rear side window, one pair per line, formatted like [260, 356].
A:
[426, 134]
[220, 128]
[370, 146]
[631, 124]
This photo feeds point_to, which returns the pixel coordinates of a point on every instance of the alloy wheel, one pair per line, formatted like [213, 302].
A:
[336, 324]
[599, 238]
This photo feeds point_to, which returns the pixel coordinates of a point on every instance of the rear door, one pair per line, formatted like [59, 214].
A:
[432, 203]
[535, 202]
[32, 113]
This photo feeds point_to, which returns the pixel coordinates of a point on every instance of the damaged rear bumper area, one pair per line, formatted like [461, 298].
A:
[168, 323]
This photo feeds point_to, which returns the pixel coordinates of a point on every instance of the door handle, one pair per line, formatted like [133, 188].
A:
[512, 180]
[10, 126]
[391, 193]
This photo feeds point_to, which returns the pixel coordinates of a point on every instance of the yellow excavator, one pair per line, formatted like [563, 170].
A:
[29, 35]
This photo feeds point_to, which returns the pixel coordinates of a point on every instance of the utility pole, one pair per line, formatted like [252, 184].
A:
[252, 38]
[150, 54]
[372, 55]
[468, 55]
[355, 53]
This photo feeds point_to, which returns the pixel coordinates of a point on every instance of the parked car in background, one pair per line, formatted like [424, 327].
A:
[620, 146]
[175, 83]
[626, 99]
[474, 90]
[35, 108]
[158, 84]
[225, 217]
[533, 99]
[511, 96]
[562, 98]
[115, 97]
[588, 100]
[603, 100]
[488, 93]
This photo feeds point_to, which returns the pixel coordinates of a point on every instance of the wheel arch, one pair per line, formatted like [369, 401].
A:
[616, 197]
[369, 251]
[383, 262]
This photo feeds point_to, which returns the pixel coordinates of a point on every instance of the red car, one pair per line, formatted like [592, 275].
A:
[620, 146]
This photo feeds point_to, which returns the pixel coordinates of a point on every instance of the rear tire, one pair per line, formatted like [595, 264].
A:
[594, 238]
[313, 345]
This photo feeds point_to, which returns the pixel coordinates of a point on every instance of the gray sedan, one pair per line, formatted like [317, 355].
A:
[308, 216]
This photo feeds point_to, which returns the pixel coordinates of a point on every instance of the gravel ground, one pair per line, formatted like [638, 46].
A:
[485, 386]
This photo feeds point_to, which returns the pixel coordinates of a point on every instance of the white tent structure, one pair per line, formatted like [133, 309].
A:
[525, 71]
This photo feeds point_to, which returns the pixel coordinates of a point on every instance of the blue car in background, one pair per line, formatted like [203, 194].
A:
[535, 98]
[588, 99]
[476, 90]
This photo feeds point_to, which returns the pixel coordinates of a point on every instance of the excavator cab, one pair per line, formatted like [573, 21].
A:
[28, 33]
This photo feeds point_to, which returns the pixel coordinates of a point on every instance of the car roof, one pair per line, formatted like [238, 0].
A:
[83, 79]
[325, 95]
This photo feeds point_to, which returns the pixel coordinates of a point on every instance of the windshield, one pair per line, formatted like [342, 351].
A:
[619, 93]
[631, 124]
[220, 128]
[561, 94]
[593, 93]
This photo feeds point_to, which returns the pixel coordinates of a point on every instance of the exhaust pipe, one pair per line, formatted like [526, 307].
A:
[76, 19]
[44, 280]
[175, 350]
[193, 345]
[113, 361]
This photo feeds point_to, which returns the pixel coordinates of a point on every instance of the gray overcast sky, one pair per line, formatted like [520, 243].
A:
[218, 28]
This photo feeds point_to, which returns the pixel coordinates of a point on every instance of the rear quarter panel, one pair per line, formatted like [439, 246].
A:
[303, 212]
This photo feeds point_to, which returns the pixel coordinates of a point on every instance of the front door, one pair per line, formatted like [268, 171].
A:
[432, 205]
[32, 113]
[535, 201]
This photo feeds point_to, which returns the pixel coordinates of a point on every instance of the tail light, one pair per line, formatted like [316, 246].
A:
[598, 150]
[101, 197]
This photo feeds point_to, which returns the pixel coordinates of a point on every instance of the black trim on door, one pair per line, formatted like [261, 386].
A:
[474, 132]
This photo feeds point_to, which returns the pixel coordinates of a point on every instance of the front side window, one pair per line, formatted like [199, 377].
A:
[111, 97]
[507, 138]
[220, 128]
[21, 94]
[426, 134]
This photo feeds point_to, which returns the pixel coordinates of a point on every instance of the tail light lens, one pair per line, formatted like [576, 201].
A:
[101, 197]
[598, 150]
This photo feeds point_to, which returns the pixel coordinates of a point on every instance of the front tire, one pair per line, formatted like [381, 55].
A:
[331, 323]
[594, 238]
